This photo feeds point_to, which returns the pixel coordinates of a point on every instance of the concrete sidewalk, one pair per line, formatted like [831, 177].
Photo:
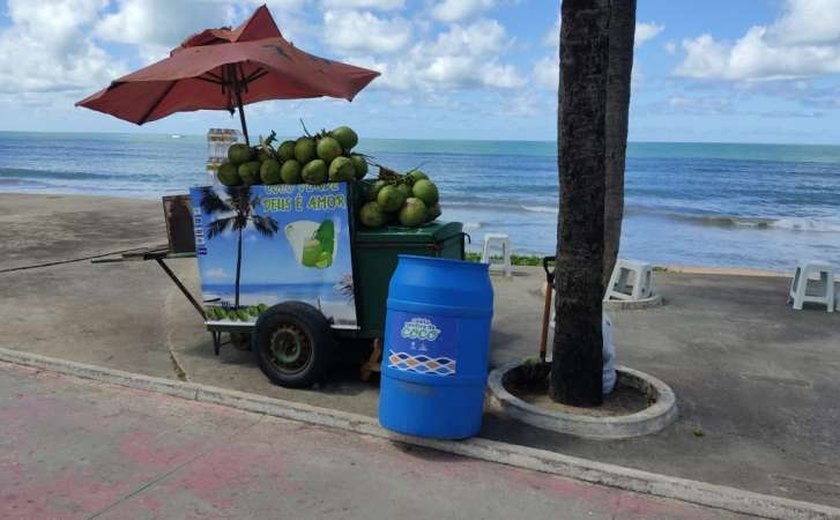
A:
[78, 449]
[756, 382]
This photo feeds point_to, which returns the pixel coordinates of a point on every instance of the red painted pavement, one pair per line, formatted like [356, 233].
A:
[76, 449]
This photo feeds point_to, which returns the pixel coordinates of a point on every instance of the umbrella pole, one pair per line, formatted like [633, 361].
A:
[237, 85]
[242, 116]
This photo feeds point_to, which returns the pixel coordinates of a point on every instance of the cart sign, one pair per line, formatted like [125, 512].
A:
[262, 245]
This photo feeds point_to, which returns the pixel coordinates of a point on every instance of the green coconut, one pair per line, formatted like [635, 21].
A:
[290, 172]
[315, 172]
[229, 175]
[346, 137]
[434, 212]
[372, 216]
[405, 189]
[360, 165]
[261, 308]
[390, 198]
[413, 212]
[270, 172]
[305, 150]
[240, 153]
[342, 169]
[416, 175]
[328, 149]
[250, 173]
[263, 155]
[426, 191]
[286, 150]
[243, 315]
[374, 188]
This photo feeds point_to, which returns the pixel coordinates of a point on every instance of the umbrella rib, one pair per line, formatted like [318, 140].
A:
[257, 74]
[210, 80]
[214, 76]
[157, 102]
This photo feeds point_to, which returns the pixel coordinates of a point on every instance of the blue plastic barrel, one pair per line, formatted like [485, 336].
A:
[437, 342]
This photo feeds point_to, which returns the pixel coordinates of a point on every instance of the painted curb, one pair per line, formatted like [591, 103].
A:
[650, 420]
[634, 305]
[700, 493]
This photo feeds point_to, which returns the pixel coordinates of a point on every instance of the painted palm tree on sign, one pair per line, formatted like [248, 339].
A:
[235, 213]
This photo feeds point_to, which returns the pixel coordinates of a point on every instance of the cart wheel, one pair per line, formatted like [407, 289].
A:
[293, 344]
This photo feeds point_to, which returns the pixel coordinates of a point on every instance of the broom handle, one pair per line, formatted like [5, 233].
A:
[546, 315]
[549, 286]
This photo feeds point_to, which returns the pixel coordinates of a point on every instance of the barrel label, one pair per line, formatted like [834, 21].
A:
[422, 344]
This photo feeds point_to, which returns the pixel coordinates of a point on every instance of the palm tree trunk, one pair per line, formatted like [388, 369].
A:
[238, 267]
[584, 47]
[622, 35]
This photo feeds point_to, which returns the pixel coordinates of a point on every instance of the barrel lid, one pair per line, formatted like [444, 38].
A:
[433, 232]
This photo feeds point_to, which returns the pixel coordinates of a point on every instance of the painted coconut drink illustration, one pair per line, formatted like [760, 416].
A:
[313, 243]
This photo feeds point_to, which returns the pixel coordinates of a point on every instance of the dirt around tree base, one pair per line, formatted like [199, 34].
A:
[530, 383]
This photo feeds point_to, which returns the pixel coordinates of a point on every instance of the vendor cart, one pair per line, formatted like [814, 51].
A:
[286, 271]
[283, 267]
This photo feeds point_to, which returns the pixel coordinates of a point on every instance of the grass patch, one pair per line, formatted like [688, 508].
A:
[527, 260]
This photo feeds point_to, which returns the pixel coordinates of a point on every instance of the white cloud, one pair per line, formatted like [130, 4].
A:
[524, 104]
[547, 73]
[478, 38]
[670, 47]
[456, 10]
[809, 22]
[647, 31]
[552, 37]
[47, 48]
[364, 31]
[216, 274]
[156, 26]
[804, 41]
[461, 57]
[384, 5]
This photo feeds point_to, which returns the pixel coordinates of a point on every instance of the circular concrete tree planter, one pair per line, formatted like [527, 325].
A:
[634, 305]
[661, 411]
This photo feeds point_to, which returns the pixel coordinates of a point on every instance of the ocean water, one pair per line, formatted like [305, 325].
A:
[734, 205]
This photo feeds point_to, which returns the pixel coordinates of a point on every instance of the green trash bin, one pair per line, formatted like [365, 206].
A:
[375, 258]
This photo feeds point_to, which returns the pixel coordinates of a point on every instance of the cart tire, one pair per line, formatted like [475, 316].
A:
[293, 343]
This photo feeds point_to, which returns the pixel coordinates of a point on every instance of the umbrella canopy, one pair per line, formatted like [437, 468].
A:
[223, 69]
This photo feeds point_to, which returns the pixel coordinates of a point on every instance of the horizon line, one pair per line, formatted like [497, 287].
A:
[170, 134]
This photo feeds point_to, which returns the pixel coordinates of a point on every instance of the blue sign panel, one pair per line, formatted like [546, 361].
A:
[262, 245]
[422, 343]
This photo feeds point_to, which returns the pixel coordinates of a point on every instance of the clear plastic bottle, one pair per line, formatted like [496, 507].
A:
[218, 142]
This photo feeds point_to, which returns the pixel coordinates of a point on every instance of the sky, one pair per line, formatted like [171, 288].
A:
[707, 71]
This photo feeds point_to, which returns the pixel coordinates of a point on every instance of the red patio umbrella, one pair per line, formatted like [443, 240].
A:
[225, 69]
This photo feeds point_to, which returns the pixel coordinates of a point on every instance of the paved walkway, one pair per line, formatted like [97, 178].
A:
[77, 449]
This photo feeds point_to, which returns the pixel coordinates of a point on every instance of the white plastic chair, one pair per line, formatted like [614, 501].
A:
[813, 282]
[630, 280]
[500, 240]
